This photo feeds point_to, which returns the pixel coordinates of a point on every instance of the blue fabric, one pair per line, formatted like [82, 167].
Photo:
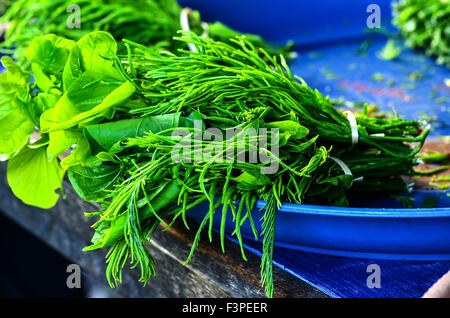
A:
[338, 71]
[347, 277]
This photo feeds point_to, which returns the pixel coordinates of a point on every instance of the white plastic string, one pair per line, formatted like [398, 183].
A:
[354, 126]
[4, 27]
[342, 164]
[205, 27]
[346, 169]
[184, 22]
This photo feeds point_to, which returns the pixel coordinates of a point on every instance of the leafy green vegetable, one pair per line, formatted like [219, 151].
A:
[390, 51]
[107, 134]
[424, 25]
[92, 183]
[90, 54]
[153, 134]
[149, 22]
[16, 129]
[50, 53]
[33, 178]
[15, 122]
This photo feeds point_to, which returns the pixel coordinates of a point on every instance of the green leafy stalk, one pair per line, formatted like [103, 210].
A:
[268, 231]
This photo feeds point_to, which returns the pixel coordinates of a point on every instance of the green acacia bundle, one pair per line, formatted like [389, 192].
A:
[124, 113]
[149, 22]
[425, 26]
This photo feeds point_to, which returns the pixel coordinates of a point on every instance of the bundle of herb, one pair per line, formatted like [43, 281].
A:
[149, 22]
[425, 25]
[154, 134]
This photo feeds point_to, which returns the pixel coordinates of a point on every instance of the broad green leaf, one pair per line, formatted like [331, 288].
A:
[15, 130]
[16, 109]
[12, 81]
[61, 140]
[14, 78]
[86, 100]
[80, 154]
[430, 202]
[45, 101]
[193, 119]
[90, 54]
[107, 134]
[50, 52]
[42, 142]
[48, 56]
[33, 178]
[91, 183]
[105, 156]
[44, 82]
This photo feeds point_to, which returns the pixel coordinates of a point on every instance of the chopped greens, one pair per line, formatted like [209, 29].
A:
[390, 51]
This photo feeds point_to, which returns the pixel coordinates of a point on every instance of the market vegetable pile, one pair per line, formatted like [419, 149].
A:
[153, 133]
[149, 22]
[425, 25]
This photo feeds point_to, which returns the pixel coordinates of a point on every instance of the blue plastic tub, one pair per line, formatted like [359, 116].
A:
[376, 233]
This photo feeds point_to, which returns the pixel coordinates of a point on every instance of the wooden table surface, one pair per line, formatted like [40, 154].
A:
[209, 274]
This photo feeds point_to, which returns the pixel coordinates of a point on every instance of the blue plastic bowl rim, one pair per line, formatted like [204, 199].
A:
[360, 212]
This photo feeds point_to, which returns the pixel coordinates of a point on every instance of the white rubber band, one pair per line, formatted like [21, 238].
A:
[346, 170]
[4, 27]
[184, 22]
[353, 126]
[205, 27]
[342, 164]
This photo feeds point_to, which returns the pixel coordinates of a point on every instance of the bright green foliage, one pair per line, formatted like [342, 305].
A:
[425, 25]
[390, 51]
[15, 119]
[132, 121]
[149, 22]
[33, 178]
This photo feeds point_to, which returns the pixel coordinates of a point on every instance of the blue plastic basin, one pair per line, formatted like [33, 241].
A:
[376, 233]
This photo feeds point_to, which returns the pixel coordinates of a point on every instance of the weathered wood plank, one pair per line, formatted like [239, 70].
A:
[209, 274]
